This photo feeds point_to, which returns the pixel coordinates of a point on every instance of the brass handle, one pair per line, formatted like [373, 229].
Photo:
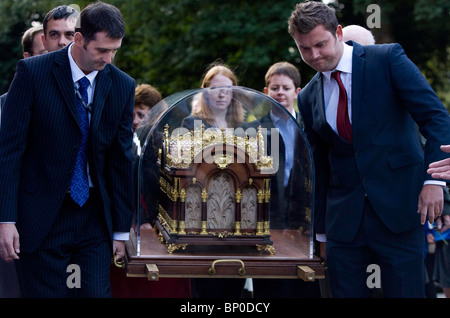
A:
[306, 273]
[152, 272]
[120, 264]
[241, 271]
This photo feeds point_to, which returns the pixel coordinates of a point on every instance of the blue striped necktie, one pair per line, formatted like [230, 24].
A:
[79, 186]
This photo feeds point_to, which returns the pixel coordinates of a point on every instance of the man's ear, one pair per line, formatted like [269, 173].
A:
[339, 33]
[78, 39]
[44, 41]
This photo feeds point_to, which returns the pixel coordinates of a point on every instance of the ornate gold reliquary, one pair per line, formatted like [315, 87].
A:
[216, 189]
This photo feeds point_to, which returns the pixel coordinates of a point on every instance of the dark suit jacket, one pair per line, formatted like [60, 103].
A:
[2, 101]
[189, 122]
[40, 140]
[386, 161]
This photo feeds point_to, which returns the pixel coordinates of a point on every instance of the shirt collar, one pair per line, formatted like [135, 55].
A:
[77, 73]
[345, 64]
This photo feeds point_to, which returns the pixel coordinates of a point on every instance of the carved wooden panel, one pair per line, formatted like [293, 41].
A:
[221, 202]
[193, 207]
[248, 208]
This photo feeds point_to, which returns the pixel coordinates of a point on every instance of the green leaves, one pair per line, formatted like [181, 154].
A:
[169, 43]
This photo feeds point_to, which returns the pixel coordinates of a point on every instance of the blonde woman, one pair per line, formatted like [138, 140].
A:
[217, 107]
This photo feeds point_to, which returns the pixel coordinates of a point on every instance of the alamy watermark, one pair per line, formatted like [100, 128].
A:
[374, 18]
[74, 279]
[374, 279]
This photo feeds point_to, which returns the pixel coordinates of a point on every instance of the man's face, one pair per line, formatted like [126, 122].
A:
[282, 89]
[319, 48]
[59, 34]
[96, 54]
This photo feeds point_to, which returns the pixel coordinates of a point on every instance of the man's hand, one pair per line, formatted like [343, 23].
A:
[443, 223]
[119, 250]
[441, 169]
[431, 202]
[9, 242]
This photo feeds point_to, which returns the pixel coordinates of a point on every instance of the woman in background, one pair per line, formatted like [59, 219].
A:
[216, 108]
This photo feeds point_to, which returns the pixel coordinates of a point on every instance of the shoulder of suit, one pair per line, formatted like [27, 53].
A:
[385, 48]
[188, 122]
[40, 60]
[39, 65]
[118, 72]
[263, 121]
[311, 84]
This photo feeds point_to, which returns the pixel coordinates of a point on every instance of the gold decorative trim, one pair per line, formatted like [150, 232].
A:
[266, 248]
[237, 228]
[223, 161]
[173, 247]
[182, 149]
[259, 228]
[204, 226]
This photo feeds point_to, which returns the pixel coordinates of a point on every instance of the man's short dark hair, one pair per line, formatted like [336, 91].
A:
[101, 17]
[310, 14]
[58, 13]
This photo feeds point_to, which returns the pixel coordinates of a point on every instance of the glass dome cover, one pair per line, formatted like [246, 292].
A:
[223, 165]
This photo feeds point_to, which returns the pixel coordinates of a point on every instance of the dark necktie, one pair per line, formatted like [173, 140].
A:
[343, 124]
[79, 186]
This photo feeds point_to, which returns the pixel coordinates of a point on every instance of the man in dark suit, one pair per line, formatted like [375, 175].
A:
[31, 46]
[372, 191]
[66, 163]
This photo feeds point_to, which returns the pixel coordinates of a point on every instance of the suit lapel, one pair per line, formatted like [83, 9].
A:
[358, 64]
[102, 88]
[321, 125]
[63, 78]
[319, 110]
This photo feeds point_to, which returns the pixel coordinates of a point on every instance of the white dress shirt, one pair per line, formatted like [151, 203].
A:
[286, 127]
[78, 74]
[331, 87]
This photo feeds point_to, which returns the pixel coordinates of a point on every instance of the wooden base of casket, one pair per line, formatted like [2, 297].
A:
[175, 241]
[292, 260]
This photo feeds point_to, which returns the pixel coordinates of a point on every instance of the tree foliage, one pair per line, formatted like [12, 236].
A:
[169, 43]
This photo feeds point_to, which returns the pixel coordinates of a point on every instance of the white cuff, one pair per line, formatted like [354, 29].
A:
[121, 236]
[321, 237]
